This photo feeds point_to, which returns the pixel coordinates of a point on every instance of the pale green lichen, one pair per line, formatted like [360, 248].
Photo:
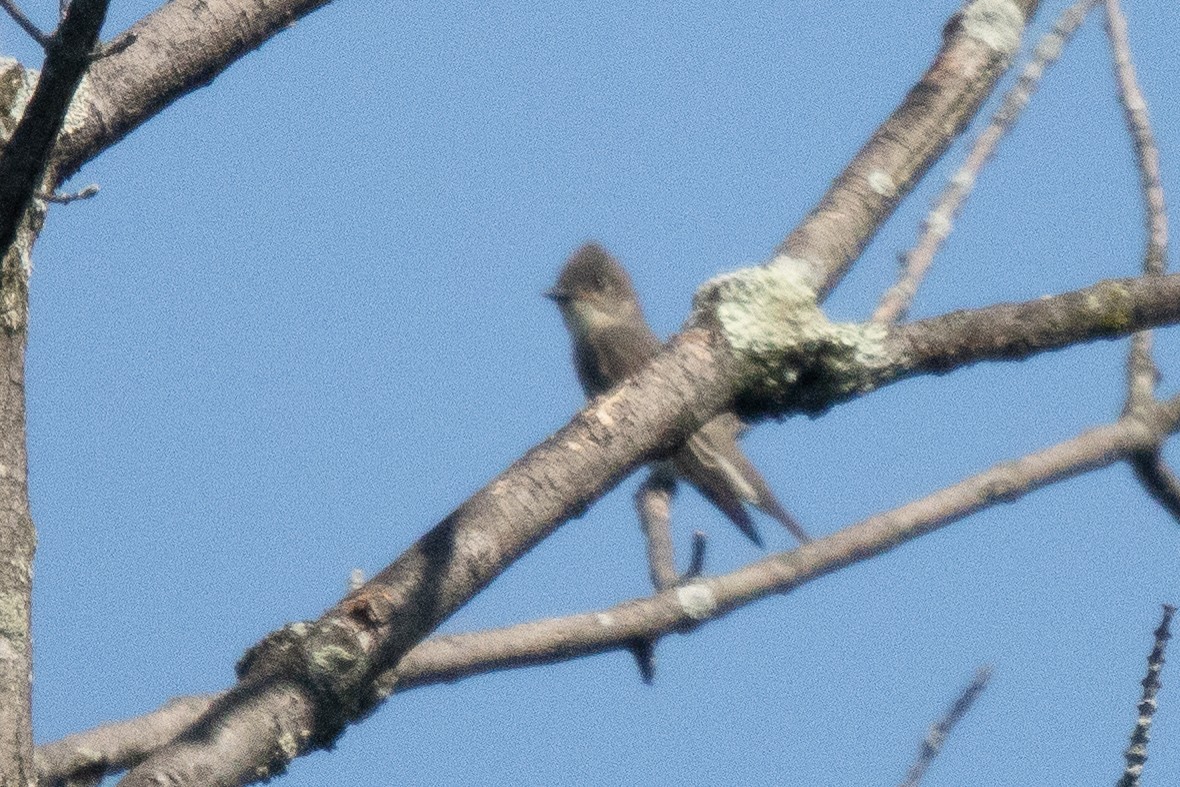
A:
[882, 183]
[697, 600]
[1112, 304]
[288, 745]
[87, 757]
[332, 659]
[796, 358]
[16, 88]
[997, 23]
[14, 608]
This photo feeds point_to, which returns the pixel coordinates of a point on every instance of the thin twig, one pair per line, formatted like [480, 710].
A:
[65, 198]
[113, 48]
[938, 733]
[1136, 754]
[25, 23]
[1147, 154]
[653, 501]
[696, 566]
[937, 226]
[1142, 374]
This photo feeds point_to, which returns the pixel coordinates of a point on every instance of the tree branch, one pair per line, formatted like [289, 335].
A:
[23, 161]
[446, 659]
[22, 169]
[978, 44]
[115, 747]
[653, 503]
[176, 49]
[286, 703]
[1014, 331]
[24, 23]
[1147, 155]
[1136, 753]
[1142, 375]
[935, 739]
[937, 226]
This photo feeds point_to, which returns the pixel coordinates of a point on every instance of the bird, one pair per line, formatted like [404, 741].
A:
[611, 341]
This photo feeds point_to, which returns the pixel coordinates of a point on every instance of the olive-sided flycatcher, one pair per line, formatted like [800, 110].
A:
[612, 341]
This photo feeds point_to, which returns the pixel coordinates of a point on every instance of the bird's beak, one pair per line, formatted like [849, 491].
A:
[557, 294]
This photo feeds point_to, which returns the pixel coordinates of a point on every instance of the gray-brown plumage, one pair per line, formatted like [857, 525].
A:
[612, 341]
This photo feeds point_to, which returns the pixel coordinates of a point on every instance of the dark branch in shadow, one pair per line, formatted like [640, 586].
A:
[1159, 480]
[696, 565]
[25, 23]
[644, 651]
[22, 164]
[1136, 754]
[937, 736]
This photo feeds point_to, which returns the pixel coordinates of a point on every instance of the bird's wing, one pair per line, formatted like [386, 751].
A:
[712, 461]
[616, 353]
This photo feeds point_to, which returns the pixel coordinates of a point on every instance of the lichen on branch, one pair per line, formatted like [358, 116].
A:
[792, 358]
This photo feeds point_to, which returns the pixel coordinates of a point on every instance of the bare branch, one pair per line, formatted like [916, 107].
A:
[116, 747]
[1142, 375]
[1136, 754]
[181, 46]
[25, 23]
[22, 169]
[282, 690]
[60, 198]
[1013, 331]
[937, 736]
[23, 161]
[978, 44]
[841, 362]
[937, 225]
[1146, 152]
[450, 658]
[446, 659]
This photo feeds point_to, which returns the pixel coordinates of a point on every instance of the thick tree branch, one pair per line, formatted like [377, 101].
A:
[449, 658]
[16, 567]
[112, 748]
[792, 359]
[22, 169]
[288, 703]
[23, 161]
[1013, 331]
[285, 704]
[174, 50]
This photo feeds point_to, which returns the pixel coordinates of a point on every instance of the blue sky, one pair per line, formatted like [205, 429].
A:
[303, 321]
